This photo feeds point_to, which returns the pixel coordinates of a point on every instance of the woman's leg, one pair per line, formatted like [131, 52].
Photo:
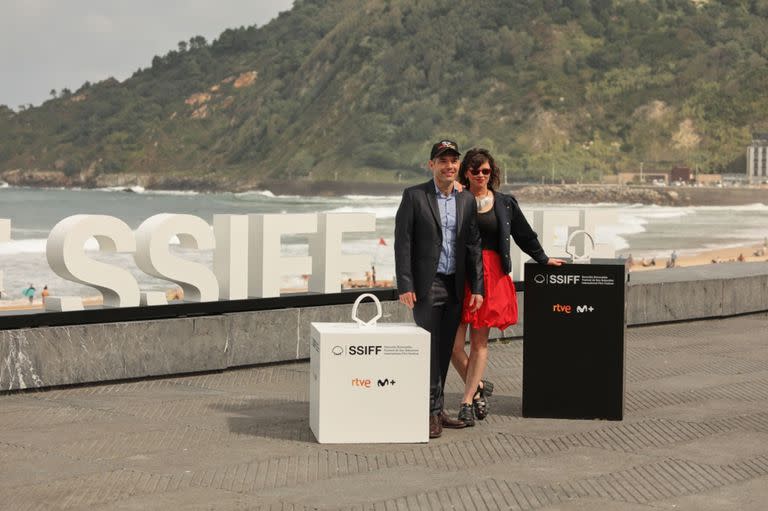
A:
[478, 359]
[459, 357]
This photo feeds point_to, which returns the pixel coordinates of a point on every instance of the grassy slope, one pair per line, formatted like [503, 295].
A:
[359, 89]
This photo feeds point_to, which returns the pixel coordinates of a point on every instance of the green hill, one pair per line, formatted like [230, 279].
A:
[357, 90]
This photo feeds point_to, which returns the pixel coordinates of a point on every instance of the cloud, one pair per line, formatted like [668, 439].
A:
[29, 8]
[52, 44]
[98, 24]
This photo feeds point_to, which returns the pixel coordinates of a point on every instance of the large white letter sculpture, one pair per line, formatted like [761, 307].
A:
[595, 222]
[153, 257]
[66, 257]
[230, 260]
[548, 224]
[5, 235]
[325, 249]
[267, 266]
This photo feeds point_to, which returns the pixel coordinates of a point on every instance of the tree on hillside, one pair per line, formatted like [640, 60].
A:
[197, 42]
[347, 89]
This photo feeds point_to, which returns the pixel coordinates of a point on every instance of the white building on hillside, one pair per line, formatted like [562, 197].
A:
[757, 158]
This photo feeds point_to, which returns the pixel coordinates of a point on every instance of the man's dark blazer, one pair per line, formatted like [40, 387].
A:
[419, 237]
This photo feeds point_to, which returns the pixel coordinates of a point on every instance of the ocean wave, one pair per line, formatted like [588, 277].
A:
[265, 194]
[695, 251]
[37, 246]
[379, 212]
[167, 192]
[587, 205]
[659, 212]
[143, 191]
[30, 246]
[3, 184]
[138, 189]
[757, 206]
[374, 198]
[257, 193]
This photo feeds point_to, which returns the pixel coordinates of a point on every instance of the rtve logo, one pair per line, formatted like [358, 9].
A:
[367, 382]
[568, 309]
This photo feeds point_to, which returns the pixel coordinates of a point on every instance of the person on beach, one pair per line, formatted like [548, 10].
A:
[45, 293]
[29, 292]
[437, 250]
[673, 259]
[498, 217]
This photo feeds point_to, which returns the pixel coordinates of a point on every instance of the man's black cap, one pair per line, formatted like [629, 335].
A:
[443, 147]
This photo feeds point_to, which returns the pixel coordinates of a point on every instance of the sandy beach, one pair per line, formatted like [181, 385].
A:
[748, 253]
[22, 304]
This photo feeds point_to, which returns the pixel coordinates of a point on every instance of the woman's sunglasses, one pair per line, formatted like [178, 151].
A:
[478, 171]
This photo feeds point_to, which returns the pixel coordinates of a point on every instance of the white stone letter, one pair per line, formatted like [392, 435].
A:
[267, 266]
[66, 257]
[516, 256]
[554, 227]
[5, 235]
[325, 249]
[153, 257]
[230, 259]
[596, 222]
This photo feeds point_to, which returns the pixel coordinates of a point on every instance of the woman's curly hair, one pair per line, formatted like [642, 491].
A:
[472, 160]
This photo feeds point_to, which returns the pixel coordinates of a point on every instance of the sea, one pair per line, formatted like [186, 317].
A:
[640, 230]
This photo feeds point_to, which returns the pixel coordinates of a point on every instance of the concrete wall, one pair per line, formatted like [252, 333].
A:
[49, 356]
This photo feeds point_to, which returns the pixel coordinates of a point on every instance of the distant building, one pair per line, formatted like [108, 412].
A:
[646, 177]
[680, 173]
[757, 158]
[709, 179]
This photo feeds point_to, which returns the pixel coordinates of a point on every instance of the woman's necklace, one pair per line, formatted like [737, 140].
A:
[483, 202]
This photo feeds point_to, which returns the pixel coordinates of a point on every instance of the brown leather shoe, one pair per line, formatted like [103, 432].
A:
[435, 429]
[448, 422]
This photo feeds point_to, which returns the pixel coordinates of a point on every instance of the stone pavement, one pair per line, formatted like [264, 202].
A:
[695, 437]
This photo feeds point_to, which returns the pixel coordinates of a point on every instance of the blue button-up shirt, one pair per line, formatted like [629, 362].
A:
[446, 204]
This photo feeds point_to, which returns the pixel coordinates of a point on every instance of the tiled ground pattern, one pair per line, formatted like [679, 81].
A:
[695, 436]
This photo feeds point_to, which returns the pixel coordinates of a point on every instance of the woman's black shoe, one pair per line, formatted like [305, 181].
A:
[467, 415]
[480, 407]
[480, 401]
[486, 389]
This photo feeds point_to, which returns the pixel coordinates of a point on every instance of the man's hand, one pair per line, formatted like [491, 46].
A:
[555, 262]
[408, 299]
[475, 302]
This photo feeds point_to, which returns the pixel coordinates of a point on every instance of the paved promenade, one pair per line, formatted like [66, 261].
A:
[695, 437]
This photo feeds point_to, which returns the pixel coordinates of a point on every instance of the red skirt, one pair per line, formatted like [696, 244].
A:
[499, 307]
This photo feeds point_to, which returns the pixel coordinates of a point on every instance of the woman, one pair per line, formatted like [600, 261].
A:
[499, 216]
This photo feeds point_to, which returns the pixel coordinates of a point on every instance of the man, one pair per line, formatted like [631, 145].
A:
[437, 246]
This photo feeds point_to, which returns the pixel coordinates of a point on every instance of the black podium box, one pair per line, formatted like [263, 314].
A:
[573, 350]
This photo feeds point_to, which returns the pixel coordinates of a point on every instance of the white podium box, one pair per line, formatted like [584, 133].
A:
[369, 383]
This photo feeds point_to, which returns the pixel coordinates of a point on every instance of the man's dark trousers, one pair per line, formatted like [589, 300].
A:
[440, 316]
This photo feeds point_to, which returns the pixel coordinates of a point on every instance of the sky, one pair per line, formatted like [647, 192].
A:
[56, 44]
